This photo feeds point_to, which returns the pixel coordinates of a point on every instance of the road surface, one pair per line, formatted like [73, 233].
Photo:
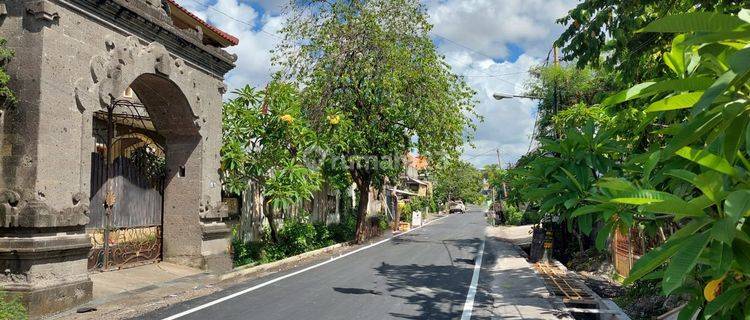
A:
[424, 274]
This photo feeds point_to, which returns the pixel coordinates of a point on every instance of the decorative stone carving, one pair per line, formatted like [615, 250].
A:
[206, 210]
[109, 73]
[16, 212]
[43, 10]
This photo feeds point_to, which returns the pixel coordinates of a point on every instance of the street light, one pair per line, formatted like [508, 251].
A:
[501, 96]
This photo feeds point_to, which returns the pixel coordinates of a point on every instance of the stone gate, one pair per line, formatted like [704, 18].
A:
[72, 58]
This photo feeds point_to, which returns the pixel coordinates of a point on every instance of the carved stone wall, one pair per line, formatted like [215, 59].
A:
[71, 58]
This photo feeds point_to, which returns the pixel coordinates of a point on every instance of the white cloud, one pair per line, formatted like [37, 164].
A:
[490, 26]
[507, 123]
[517, 34]
[238, 18]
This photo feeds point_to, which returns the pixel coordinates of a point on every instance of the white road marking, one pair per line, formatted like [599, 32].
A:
[469, 305]
[256, 287]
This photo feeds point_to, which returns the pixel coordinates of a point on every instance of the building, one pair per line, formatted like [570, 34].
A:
[98, 83]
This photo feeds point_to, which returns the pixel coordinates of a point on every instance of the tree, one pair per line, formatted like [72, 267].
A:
[372, 67]
[265, 138]
[457, 180]
[559, 87]
[605, 31]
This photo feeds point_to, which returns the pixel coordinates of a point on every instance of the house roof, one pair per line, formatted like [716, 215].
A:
[403, 192]
[415, 180]
[212, 32]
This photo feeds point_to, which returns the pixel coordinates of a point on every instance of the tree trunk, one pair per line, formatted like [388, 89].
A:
[396, 213]
[364, 197]
[268, 212]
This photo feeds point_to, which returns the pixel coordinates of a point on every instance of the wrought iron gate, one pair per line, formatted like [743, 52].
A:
[127, 188]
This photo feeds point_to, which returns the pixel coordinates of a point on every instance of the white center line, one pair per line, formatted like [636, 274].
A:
[256, 287]
[469, 305]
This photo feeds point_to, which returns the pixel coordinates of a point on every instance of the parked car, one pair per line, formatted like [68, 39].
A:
[456, 207]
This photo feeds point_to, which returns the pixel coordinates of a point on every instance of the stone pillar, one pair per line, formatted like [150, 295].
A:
[43, 213]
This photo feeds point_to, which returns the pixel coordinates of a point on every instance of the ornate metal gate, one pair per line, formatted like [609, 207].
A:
[127, 188]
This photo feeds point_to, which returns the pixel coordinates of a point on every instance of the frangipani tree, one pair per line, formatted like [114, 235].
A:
[266, 137]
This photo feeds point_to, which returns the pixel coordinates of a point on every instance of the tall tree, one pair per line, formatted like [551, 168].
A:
[372, 67]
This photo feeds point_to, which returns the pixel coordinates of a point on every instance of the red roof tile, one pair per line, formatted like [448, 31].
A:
[232, 39]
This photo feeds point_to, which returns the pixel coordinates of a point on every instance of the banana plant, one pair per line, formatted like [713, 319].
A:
[698, 178]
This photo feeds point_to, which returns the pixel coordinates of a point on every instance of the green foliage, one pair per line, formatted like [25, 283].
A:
[11, 308]
[372, 67]
[383, 223]
[151, 165]
[265, 136]
[604, 32]
[684, 165]
[7, 98]
[406, 212]
[345, 229]
[457, 180]
[513, 216]
[295, 237]
[559, 87]
[428, 202]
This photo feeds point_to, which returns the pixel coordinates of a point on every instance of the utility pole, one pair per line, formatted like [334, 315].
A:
[500, 165]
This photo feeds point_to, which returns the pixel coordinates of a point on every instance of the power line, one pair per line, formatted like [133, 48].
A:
[483, 75]
[251, 25]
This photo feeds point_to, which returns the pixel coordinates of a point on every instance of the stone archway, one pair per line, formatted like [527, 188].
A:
[173, 119]
[192, 234]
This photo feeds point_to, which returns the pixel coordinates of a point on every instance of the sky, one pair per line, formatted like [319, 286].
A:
[492, 43]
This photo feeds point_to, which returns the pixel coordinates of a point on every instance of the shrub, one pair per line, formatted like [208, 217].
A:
[406, 212]
[383, 222]
[12, 308]
[345, 230]
[295, 237]
[513, 216]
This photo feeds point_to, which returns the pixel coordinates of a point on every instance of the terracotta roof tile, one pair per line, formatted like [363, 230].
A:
[232, 39]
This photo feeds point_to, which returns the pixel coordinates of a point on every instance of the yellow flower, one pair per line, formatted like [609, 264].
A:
[712, 289]
[287, 118]
[335, 119]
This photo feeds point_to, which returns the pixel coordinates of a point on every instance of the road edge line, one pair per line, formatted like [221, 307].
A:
[469, 305]
[272, 281]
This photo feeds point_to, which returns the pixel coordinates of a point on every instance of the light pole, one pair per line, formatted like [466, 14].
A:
[501, 96]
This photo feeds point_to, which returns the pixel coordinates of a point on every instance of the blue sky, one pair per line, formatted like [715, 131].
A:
[492, 42]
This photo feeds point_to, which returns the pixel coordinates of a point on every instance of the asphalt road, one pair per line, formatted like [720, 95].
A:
[424, 274]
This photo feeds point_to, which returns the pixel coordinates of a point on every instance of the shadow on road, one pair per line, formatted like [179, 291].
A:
[356, 291]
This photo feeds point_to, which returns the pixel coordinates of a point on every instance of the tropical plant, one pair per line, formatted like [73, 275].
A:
[697, 179]
[604, 33]
[370, 69]
[265, 140]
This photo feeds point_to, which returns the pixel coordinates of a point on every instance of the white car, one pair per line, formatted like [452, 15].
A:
[456, 207]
